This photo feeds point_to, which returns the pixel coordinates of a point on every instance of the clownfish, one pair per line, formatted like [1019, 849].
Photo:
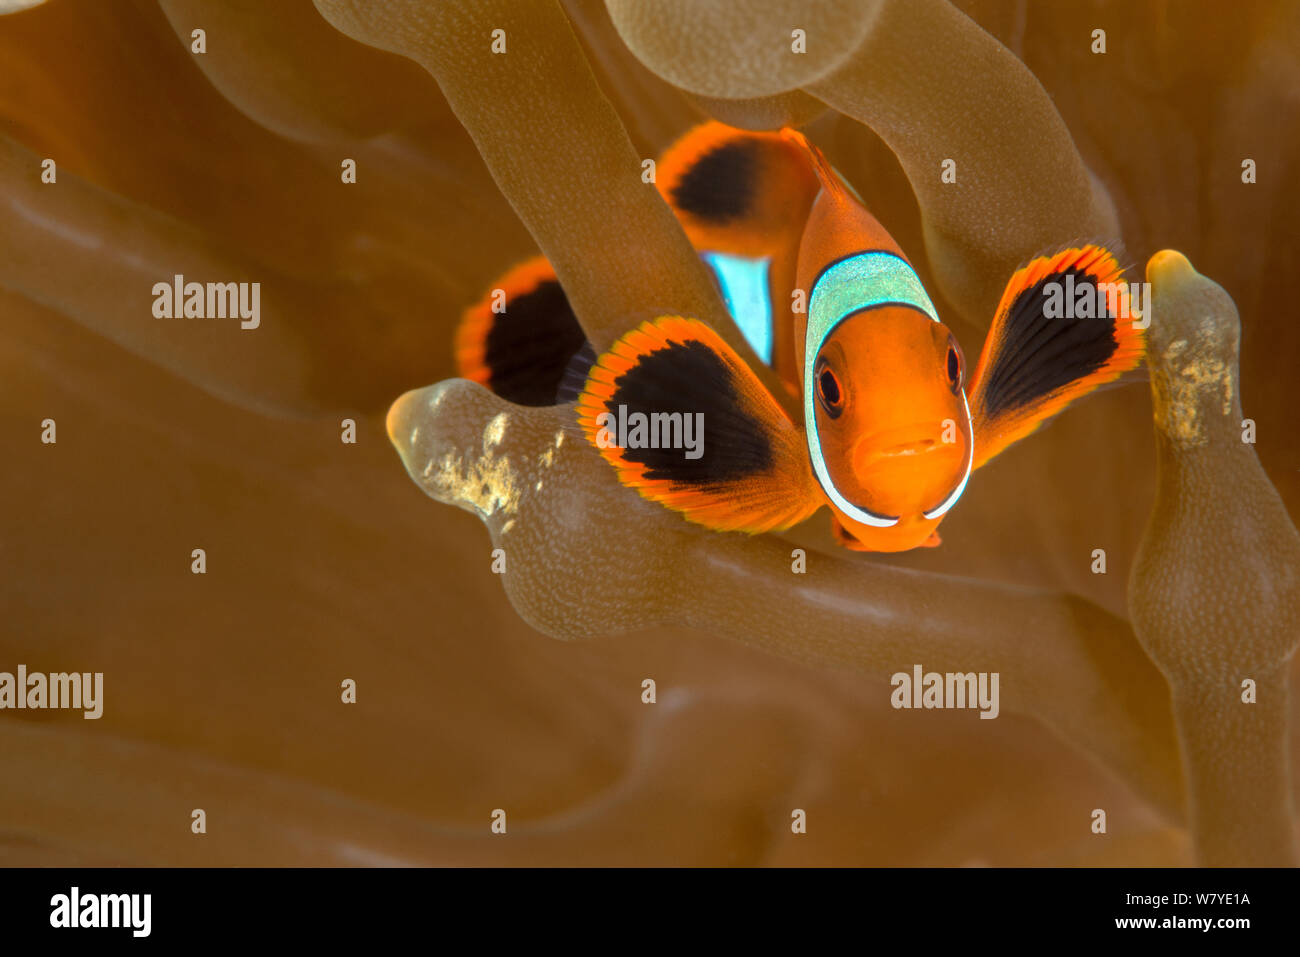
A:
[890, 427]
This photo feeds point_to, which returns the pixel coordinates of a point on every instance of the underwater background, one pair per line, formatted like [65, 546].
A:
[326, 563]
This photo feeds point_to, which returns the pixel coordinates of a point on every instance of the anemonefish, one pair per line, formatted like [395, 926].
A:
[890, 429]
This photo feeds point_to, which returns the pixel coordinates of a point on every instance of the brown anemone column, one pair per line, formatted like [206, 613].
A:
[1215, 590]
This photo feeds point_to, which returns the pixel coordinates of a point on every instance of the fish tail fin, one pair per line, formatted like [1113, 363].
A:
[1065, 326]
[520, 337]
[745, 467]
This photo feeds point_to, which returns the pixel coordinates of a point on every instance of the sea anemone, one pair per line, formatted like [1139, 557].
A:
[323, 565]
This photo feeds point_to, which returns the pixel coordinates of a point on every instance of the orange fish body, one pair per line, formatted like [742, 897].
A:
[883, 400]
[889, 431]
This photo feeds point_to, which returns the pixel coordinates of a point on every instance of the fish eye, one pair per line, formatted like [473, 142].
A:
[829, 393]
[956, 365]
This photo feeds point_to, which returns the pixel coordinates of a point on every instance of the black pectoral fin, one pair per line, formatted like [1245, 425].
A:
[670, 380]
[737, 191]
[1065, 326]
[519, 339]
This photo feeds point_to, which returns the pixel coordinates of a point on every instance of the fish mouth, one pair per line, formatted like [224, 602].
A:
[893, 445]
[906, 470]
[908, 448]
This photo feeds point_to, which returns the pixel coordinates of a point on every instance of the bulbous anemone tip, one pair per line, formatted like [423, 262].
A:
[393, 421]
[1168, 266]
[408, 422]
[399, 422]
[1191, 315]
[743, 51]
[450, 439]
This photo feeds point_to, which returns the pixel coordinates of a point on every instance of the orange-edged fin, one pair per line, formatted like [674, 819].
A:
[850, 541]
[828, 178]
[1063, 328]
[737, 191]
[518, 339]
[846, 538]
[727, 456]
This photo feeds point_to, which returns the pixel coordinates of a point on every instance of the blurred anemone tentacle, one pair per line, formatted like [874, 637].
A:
[559, 152]
[543, 493]
[969, 100]
[761, 48]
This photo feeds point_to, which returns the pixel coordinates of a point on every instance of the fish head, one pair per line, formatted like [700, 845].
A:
[891, 415]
